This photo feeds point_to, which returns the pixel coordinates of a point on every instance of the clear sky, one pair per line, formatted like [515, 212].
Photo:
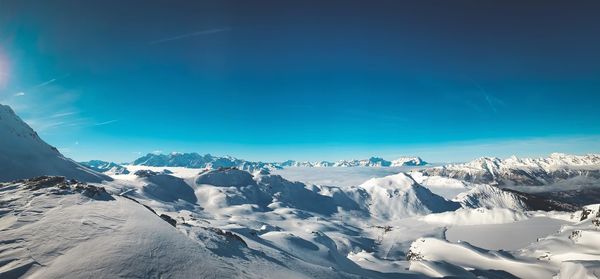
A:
[275, 80]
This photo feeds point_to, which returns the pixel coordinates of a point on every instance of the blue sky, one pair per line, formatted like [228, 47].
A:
[274, 80]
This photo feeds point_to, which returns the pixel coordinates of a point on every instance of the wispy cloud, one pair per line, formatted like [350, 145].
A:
[52, 80]
[19, 94]
[189, 35]
[106, 122]
[493, 102]
[62, 114]
[44, 83]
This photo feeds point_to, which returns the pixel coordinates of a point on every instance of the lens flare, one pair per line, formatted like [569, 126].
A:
[3, 69]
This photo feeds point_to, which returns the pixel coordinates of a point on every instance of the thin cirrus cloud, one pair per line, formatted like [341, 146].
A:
[62, 114]
[106, 122]
[189, 35]
[44, 83]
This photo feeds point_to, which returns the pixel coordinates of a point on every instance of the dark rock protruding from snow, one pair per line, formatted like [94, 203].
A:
[64, 186]
[226, 177]
[169, 220]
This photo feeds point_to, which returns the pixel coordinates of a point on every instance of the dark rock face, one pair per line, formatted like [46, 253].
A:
[45, 182]
[579, 197]
[169, 220]
[544, 203]
[64, 186]
[149, 173]
[229, 236]
[145, 173]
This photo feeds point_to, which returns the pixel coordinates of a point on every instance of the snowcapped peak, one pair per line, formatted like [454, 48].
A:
[400, 181]
[557, 155]
[408, 161]
[399, 196]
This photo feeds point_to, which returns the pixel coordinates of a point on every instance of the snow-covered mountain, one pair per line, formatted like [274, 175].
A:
[397, 196]
[105, 167]
[306, 164]
[195, 160]
[380, 162]
[23, 154]
[525, 171]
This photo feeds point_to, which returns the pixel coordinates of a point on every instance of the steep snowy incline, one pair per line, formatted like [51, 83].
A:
[23, 154]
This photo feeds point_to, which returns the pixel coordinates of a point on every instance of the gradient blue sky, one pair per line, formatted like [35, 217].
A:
[275, 80]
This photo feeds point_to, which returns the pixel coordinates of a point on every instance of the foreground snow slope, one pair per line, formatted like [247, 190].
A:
[23, 154]
[49, 230]
[53, 228]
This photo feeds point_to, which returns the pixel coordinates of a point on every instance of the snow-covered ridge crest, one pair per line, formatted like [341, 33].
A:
[522, 171]
[110, 168]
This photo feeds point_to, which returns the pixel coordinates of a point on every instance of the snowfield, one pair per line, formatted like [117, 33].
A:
[229, 218]
[231, 223]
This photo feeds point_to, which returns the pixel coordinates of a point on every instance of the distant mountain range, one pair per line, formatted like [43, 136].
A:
[522, 171]
[195, 160]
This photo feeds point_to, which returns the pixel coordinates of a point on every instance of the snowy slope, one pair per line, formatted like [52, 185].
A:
[50, 230]
[526, 171]
[53, 228]
[23, 154]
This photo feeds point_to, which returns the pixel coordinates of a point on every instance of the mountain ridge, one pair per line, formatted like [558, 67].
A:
[196, 160]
